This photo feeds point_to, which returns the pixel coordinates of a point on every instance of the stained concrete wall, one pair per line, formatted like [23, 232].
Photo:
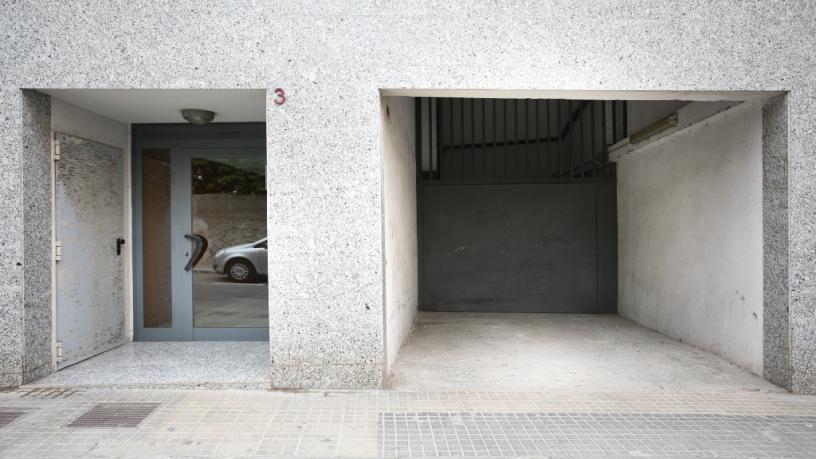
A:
[399, 222]
[324, 163]
[690, 236]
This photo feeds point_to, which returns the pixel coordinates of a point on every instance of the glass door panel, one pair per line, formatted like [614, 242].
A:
[228, 226]
[156, 214]
[200, 240]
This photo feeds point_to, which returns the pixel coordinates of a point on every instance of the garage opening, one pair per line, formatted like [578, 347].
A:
[563, 243]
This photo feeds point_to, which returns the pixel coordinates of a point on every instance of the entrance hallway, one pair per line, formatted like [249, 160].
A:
[199, 364]
[556, 352]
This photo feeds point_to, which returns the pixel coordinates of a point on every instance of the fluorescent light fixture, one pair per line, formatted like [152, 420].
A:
[653, 129]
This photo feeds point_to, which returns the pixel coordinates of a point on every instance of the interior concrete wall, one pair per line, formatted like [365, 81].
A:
[690, 236]
[70, 119]
[398, 118]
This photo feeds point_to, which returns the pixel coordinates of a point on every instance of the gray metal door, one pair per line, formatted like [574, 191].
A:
[89, 227]
[510, 248]
[517, 208]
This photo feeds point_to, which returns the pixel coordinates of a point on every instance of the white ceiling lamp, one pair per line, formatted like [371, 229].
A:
[197, 116]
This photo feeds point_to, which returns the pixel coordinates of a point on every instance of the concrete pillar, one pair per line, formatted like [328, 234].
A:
[325, 238]
[800, 137]
[25, 241]
[776, 323]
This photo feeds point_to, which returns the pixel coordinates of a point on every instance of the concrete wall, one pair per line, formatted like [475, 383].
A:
[78, 122]
[324, 164]
[690, 236]
[399, 222]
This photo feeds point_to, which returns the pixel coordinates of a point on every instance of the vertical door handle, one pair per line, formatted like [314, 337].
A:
[119, 243]
[199, 247]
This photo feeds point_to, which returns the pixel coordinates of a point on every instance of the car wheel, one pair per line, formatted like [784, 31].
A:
[241, 271]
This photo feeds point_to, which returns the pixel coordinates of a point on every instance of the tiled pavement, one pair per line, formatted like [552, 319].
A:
[227, 423]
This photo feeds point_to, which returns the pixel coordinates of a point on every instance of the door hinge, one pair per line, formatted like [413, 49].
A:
[57, 251]
[56, 150]
[59, 351]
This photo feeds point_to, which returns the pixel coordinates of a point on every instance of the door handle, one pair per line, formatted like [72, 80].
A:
[119, 243]
[199, 247]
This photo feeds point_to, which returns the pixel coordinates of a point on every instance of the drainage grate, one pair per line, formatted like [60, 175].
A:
[9, 416]
[115, 415]
[48, 392]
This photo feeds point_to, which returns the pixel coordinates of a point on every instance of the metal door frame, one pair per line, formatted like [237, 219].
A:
[185, 142]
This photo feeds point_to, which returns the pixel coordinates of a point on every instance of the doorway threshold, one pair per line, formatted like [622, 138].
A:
[240, 365]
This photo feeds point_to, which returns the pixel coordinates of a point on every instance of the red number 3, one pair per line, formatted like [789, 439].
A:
[281, 96]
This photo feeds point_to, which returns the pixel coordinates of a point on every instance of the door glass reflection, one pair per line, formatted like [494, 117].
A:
[229, 212]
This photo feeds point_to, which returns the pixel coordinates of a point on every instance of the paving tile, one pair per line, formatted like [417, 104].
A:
[236, 423]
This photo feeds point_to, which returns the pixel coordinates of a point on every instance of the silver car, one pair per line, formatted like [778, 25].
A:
[242, 263]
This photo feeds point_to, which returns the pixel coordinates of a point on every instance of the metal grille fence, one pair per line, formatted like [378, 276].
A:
[495, 140]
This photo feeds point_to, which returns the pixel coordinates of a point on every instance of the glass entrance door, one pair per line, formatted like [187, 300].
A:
[204, 248]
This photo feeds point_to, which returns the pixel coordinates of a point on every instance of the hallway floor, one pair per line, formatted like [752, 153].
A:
[556, 352]
[171, 364]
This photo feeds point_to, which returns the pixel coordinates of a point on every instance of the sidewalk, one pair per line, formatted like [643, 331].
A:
[229, 423]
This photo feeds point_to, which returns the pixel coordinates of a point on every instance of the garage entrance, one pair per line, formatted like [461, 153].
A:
[635, 224]
[516, 205]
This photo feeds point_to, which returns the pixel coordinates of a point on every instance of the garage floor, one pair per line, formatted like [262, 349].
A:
[556, 352]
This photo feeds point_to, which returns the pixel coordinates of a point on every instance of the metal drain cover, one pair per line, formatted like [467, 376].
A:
[48, 392]
[9, 416]
[114, 415]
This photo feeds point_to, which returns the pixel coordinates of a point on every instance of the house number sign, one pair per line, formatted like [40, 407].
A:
[281, 96]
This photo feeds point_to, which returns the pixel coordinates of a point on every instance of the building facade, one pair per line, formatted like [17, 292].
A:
[347, 71]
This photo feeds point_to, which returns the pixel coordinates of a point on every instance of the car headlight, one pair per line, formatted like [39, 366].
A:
[219, 253]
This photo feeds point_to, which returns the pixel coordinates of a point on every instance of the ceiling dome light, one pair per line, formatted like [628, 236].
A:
[197, 116]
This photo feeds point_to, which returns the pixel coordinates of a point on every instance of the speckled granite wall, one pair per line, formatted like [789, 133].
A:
[25, 238]
[776, 323]
[11, 238]
[37, 353]
[331, 57]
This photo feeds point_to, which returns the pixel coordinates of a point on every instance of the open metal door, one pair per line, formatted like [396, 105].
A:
[89, 212]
